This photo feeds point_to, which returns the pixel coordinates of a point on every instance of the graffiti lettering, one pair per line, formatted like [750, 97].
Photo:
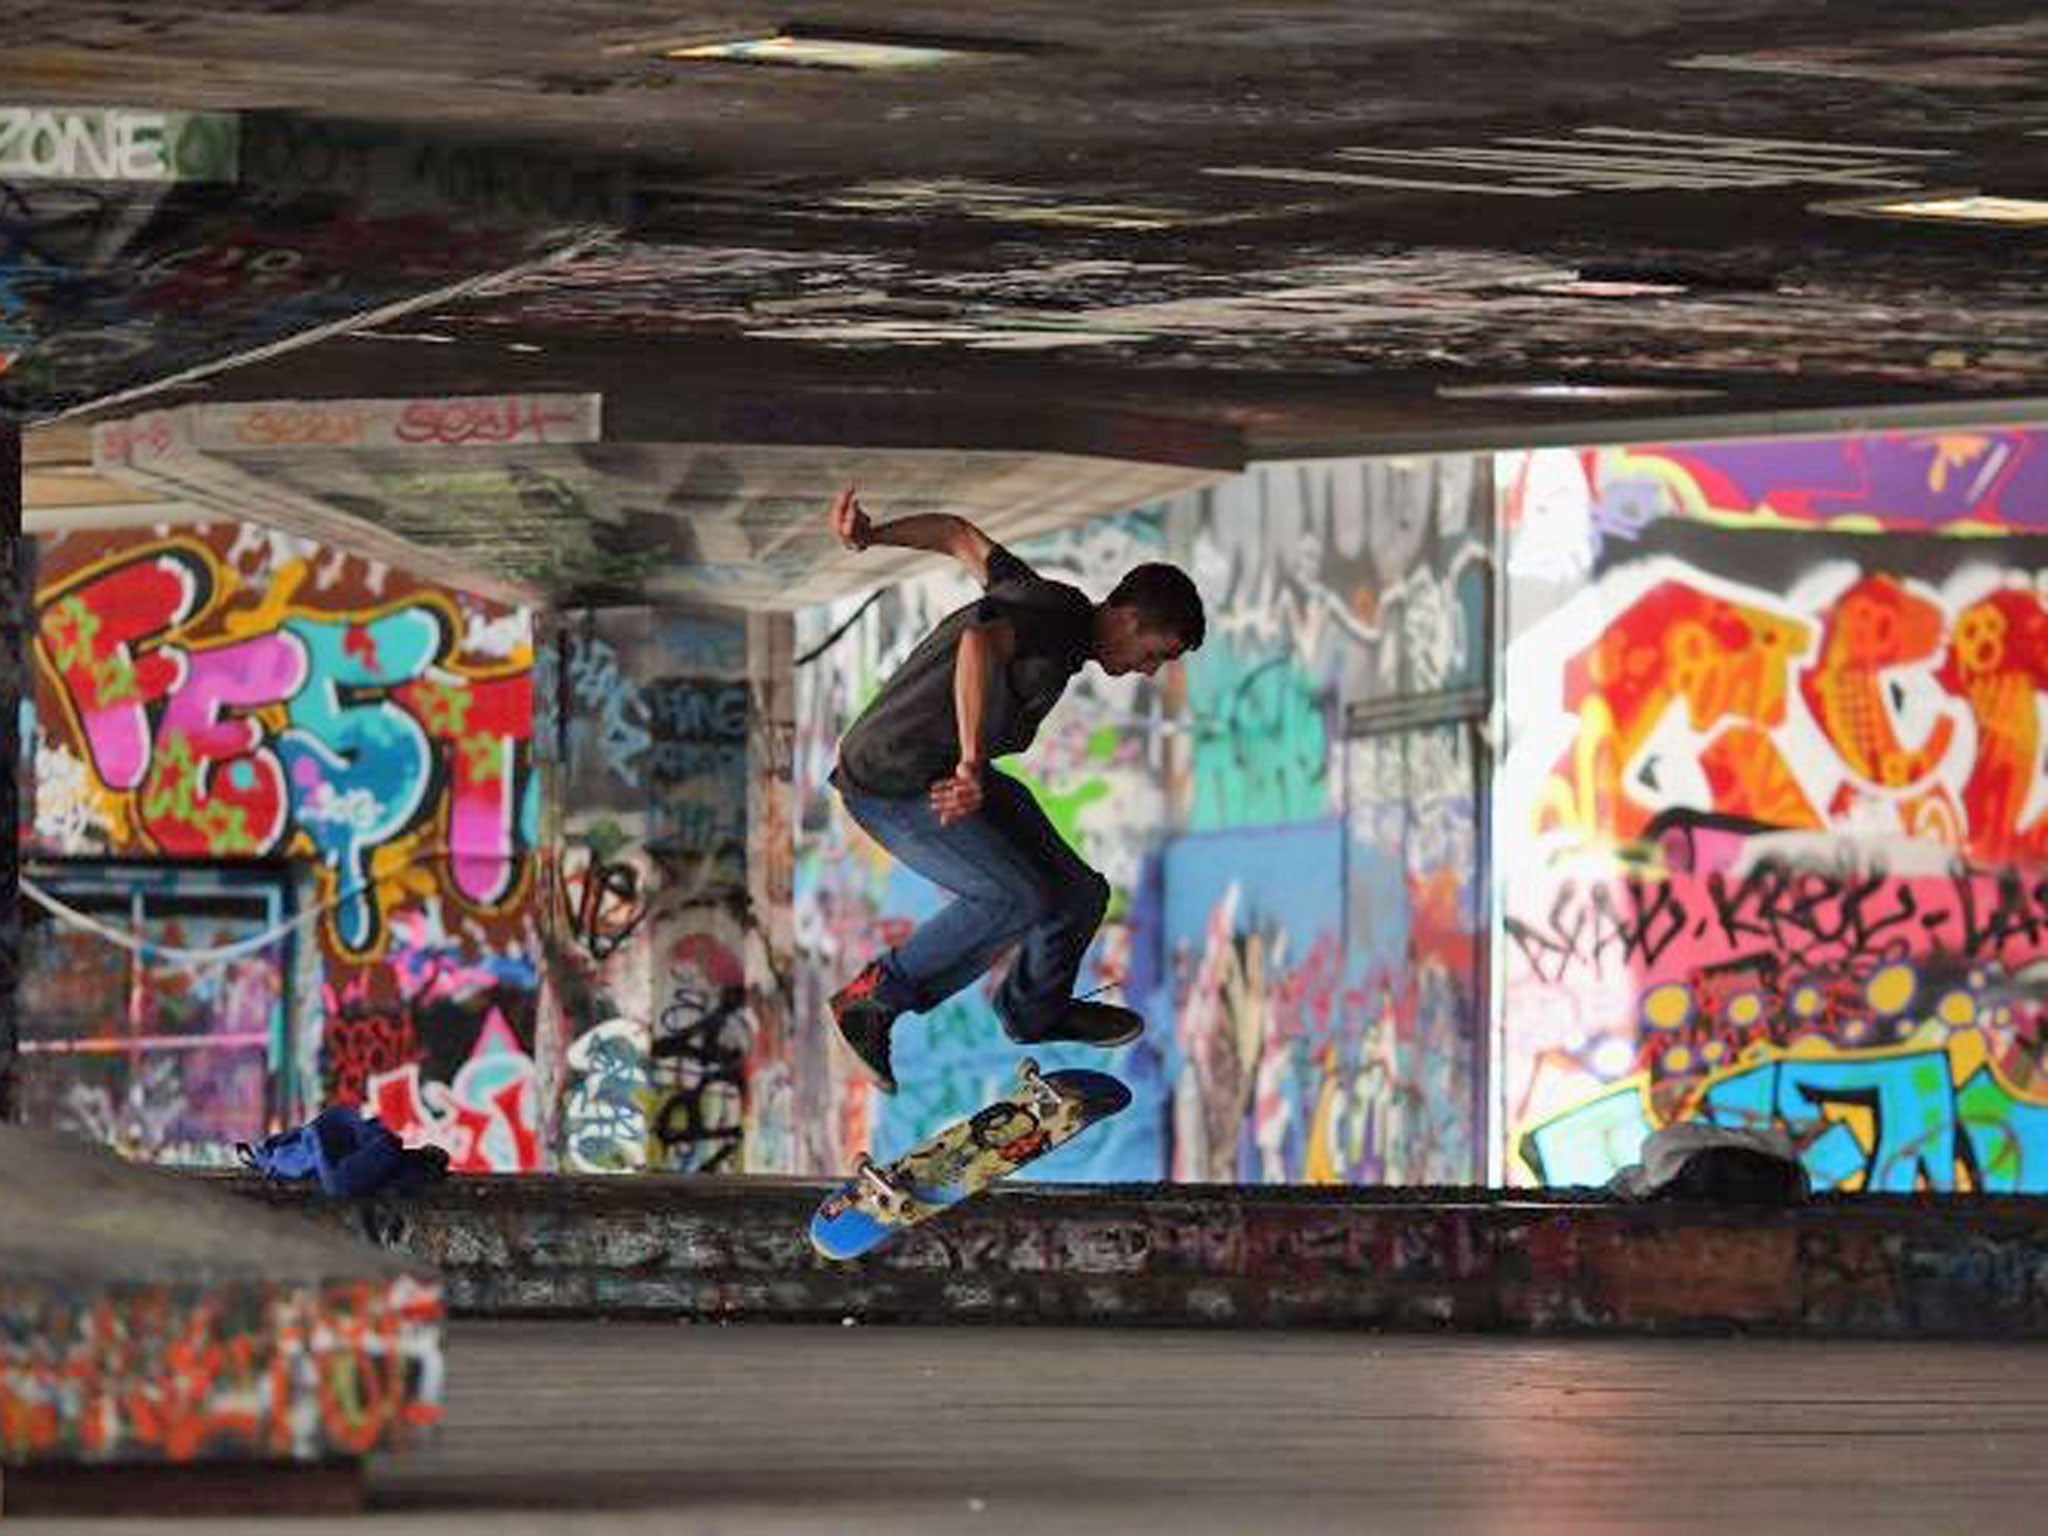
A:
[486, 1119]
[1895, 1123]
[700, 1055]
[603, 904]
[115, 144]
[604, 1114]
[601, 688]
[1819, 916]
[682, 709]
[300, 728]
[1596, 924]
[271, 426]
[511, 420]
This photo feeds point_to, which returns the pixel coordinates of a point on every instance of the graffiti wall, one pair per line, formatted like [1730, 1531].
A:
[222, 696]
[1288, 821]
[1772, 810]
[281, 1371]
[672, 897]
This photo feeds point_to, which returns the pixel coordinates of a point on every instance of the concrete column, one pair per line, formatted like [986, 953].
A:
[14, 578]
[771, 872]
[551, 1030]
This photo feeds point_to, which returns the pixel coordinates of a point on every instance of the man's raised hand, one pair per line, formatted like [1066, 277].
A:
[850, 520]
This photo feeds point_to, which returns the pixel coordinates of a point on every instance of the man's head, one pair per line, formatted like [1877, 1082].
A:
[1153, 616]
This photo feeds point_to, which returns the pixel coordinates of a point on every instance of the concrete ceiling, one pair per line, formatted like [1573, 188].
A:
[1183, 235]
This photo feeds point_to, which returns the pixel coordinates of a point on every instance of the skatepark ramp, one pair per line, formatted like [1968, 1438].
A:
[1213, 1255]
[168, 1347]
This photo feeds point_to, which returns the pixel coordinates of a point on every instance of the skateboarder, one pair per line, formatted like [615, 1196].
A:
[914, 772]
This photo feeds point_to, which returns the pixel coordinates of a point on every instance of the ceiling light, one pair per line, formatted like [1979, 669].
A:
[1557, 390]
[1966, 207]
[1583, 287]
[804, 49]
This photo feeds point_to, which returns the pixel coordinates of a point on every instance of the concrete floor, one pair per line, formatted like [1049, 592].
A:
[642, 1427]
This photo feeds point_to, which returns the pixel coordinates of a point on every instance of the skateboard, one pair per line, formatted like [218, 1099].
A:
[1045, 1110]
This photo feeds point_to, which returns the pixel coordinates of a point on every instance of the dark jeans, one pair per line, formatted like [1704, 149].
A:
[1013, 878]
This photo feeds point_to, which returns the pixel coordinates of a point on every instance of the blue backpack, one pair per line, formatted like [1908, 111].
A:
[348, 1153]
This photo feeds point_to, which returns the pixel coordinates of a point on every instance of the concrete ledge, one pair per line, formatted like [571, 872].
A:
[735, 1249]
[148, 1320]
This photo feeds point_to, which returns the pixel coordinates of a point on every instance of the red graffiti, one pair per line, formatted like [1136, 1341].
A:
[1674, 647]
[1874, 626]
[89, 631]
[485, 1119]
[357, 1047]
[1685, 686]
[479, 421]
[1997, 663]
[487, 721]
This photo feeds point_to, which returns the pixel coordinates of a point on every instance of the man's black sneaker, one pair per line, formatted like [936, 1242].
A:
[864, 1022]
[1099, 1024]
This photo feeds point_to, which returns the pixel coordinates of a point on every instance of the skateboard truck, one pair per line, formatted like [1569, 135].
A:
[1042, 1096]
[889, 1196]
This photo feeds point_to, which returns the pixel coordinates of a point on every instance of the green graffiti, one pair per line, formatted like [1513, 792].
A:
[1062, 807]
[1261, 740]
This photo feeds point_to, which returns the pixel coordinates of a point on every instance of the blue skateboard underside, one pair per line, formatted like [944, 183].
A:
[856, 1228]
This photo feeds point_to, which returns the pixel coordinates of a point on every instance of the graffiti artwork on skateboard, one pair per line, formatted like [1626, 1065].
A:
[1044, 1111]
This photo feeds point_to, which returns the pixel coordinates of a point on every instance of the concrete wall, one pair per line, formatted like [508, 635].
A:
[1770, 819]
[1289, 821]
[221, 700]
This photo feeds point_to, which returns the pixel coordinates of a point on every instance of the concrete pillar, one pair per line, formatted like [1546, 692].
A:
[771, 872]
[14, 577]
[551, 1030]
[664, 739]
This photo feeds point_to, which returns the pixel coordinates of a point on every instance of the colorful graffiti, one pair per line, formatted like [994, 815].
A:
[152, 1373]
[1774, 808]
[1991, 480]
[232, 699]
[1893, 1085]
[675, 972]
[437, 1041]
[605, 1117]
[1864, 699]
[215, 726]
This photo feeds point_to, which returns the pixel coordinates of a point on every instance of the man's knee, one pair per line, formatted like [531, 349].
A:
[1081, 902]
[1087, 899]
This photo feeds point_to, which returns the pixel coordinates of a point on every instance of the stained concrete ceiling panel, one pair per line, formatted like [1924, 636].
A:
[628, 523]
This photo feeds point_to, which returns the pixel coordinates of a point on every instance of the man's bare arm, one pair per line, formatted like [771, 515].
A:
[941, 532]
[982, 647]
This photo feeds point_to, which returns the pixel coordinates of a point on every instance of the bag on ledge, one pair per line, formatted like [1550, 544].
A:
[348, 1153]
[1721, 1164]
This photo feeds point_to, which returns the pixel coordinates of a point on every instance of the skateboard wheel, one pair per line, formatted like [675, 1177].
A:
[1027, 1070]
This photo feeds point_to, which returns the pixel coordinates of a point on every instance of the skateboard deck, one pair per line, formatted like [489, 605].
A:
[1044, 1111]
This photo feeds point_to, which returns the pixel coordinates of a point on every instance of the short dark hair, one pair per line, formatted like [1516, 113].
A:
[1165, 598]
